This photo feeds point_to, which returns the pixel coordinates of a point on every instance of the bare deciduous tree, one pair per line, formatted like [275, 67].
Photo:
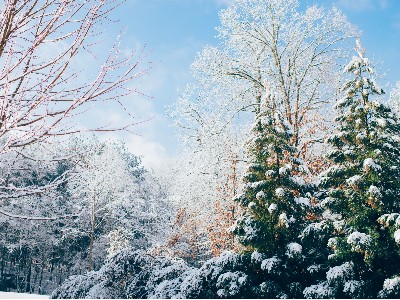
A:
[296, 52]
[51, 72]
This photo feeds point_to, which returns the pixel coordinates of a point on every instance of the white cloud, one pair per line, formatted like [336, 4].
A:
[142, 144]
[152, 153]
[142, 140]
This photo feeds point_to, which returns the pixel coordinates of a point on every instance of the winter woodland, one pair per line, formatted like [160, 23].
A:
[287, 184]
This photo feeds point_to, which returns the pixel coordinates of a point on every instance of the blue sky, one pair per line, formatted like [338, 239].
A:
[174, 31]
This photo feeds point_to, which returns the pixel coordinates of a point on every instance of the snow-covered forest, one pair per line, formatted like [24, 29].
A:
[286, 185]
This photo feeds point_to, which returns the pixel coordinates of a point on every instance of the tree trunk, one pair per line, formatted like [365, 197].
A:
[28, 276]
[40, 290]
[3, 258]
[93, 220]
[60, 276]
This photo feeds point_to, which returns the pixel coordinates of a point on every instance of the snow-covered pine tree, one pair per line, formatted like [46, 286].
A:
[362, 186]
[273, 187]
[274, 209]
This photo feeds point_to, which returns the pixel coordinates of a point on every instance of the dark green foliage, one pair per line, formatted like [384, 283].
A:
[135, 274]
[362, 185]
[274, 208]
[276, 203]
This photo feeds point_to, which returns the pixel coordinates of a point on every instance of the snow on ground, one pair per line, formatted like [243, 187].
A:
[10, 295]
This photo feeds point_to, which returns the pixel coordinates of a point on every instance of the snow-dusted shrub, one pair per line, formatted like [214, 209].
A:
[247, 275]
[391, 288]
[271, 265]
[359, 241]
[219, 277]
[340, 273]
[230, 284]
[124, 275]
[166, 278]
[76, 287]
[319, 291]
[100, 291]
[268, 289]
[294, 250]
[354, 288]
[137, 275]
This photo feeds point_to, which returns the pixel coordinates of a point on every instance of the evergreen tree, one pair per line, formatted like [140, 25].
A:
[274, 209]
[361, 187]
[273, 184]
